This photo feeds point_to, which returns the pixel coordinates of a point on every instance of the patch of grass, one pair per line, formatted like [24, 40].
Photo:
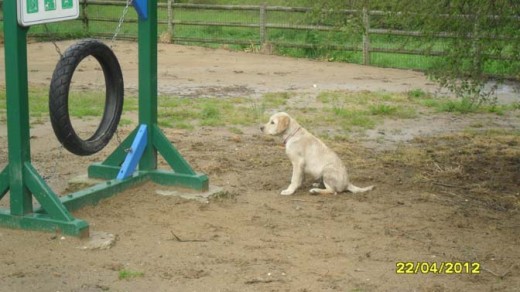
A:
[430, 102]
[423, 98]
[499, 110]
[38, 101]
[129, 274]
[81, 103]
[86, 103]
[364, 109]
[211, 112]
[130, 104]
[275, 99]
[392, 111]
[125, 122]
[462, 106]
[177, 111]
[210, 115]
[89, 104]
[326, 97]
[347, 111]
[417, 93]
[183, 125]
[382, 110]
[353, 118]
[165, 123]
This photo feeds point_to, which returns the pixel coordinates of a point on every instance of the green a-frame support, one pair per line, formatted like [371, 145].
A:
[22, 181]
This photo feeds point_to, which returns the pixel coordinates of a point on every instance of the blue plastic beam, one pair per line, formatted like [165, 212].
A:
[141, 7]
[134, 155]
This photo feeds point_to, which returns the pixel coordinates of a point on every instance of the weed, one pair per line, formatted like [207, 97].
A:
[462, 106]
[125, 274]
[256, 109]
[210, 115]
[499, 110]
[382, 110]
[210, 111]
[417, 93]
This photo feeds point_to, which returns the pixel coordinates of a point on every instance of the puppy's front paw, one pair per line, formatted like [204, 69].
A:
[287, 192]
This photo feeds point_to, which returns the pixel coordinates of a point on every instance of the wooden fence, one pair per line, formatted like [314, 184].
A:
[263, 27]
[173, 23]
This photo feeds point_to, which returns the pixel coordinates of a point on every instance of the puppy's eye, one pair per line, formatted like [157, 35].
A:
[272, 122]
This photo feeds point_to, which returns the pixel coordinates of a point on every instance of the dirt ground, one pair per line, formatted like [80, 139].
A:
[443, 195]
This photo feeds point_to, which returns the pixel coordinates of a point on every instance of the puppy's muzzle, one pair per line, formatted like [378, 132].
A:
[262, 128]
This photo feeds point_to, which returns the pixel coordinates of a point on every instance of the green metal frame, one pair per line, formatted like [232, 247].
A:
[22, 181]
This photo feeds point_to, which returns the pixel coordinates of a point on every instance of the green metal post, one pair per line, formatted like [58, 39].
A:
[157, 143]
[19, 178]
[147, 41]
[17, 108]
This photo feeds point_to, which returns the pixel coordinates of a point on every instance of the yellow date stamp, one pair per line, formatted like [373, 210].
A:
[444, 268]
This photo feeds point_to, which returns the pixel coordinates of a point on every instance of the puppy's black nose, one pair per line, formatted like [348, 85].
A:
[262, 128]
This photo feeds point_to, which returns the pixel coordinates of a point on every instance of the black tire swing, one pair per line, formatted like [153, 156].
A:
[59, 97]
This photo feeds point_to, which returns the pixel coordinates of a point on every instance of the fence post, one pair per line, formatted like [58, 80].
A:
[477, 59]
[170, 20]
[84, 14]
[366, 37]
[263, 35]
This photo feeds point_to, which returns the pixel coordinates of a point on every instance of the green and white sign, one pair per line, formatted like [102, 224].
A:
[32, 12]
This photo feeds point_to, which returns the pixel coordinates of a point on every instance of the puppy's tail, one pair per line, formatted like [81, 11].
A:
[352, 188]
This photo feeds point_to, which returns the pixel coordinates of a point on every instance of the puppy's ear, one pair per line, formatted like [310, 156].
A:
[283, 124]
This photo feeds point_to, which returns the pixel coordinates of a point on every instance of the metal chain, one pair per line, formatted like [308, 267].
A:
[121, 20]
[53, 40]
[118, 29]
[54, 168]
[117, 137]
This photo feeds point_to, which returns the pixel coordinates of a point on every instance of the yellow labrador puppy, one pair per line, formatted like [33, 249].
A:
[309, 155]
